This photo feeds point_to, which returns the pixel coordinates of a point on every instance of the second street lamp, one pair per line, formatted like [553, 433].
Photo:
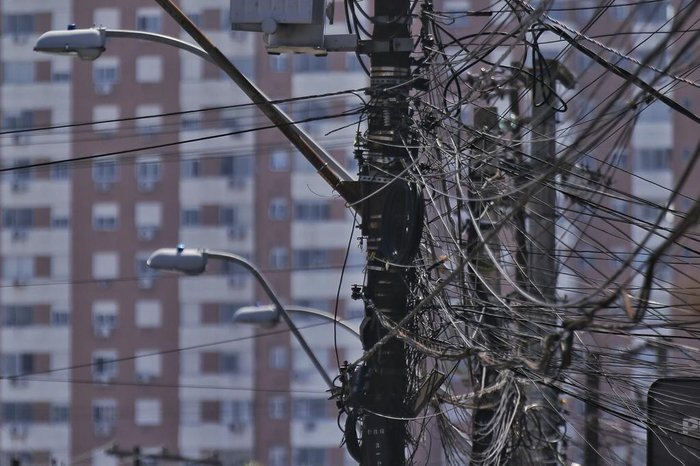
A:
[269, 316]
[194, 261]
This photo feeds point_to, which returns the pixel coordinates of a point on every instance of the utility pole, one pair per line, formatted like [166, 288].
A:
[542, 264]
[392, 217]
[482, 220]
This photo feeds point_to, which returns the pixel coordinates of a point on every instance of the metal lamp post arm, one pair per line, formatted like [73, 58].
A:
[273, 297]
[317, 313]
[161, 39]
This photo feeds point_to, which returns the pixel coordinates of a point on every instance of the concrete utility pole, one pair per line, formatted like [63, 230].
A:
[392, 216]
[542, 263]
[483, 219]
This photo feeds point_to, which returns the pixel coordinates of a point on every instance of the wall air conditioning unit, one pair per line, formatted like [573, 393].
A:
[19, 431]
[291, 26]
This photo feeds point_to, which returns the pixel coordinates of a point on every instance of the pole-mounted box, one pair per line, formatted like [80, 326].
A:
[289, 26]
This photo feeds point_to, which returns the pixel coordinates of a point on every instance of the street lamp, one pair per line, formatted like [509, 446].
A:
[194, 261]
[269, 316]
[88, 44]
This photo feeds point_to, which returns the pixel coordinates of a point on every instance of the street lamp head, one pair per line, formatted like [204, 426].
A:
[88, 44]
[264, 316]
[185, 260]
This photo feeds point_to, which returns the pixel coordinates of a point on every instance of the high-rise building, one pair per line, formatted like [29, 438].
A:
[147, 147]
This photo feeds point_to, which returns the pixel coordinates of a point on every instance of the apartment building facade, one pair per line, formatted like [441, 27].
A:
[118, 353]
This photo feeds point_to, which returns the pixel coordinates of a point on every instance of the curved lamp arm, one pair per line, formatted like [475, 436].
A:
[193, 262]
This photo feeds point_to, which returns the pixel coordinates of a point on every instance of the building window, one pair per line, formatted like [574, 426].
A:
[149, 121]
[105, 265]
[147, 364]
[147, 173]
[105, 119]
[104, 365]
[104, 318]
[308, 258]
[17, 120]
[190, 168]
[310, 408]
[147, 412]
[236, 412]
[60, 171]
[191, 217]
[18, 219]
[148, 20]
[310, 456]
[104, 172]
[279, 258]
[148, 314]
[236, 167]
[59, 413]
[16, 364]
[278, 209]
[279, 161]
[17, 25]
[18, 72]
[17, 413]
[277, 456]
[277, 407]
[59, 317]
[18, 268]
[105, 216]
[312, 211]
[654, 159]
[149, 69]
[229, 363]
[17, 315]
[104, 416]
[105, 75]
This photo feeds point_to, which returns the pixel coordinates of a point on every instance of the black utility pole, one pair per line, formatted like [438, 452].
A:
[392, 216]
